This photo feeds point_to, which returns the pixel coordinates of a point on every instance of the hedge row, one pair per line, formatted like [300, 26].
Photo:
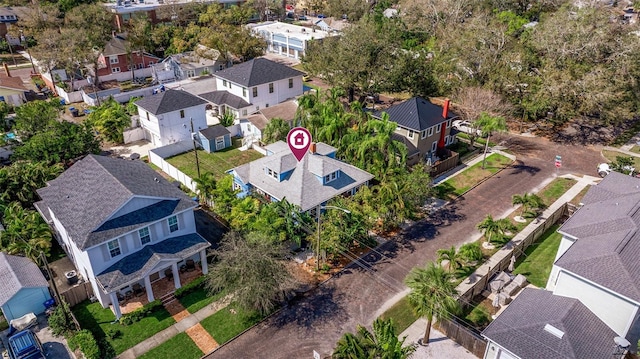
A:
[140, 313]
[190, 287]
[86, 342]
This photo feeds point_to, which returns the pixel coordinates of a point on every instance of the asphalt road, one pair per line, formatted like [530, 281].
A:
[317, 321]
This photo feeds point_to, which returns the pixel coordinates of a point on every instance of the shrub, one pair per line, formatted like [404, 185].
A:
[140, 313]
[113, 333]
[190, 287]
[471, 251]
[85, 341]
[59, 320]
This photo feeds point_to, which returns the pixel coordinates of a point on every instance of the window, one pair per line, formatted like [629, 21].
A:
[181, 113]
[140, 65]
[411, 133]
[224, 83]
[145, 236]
[330, 177]
[150, 63]
[290, 83]
[114, 248]
[430, 131]
[446, 140]
[255, 92]
[173, 224]
[448, 123]
[272, 173]
[220, 67]
[434, 146]
[271, 88]
[115, 70]
[423, 134]
[244, 112]
[244, 92]
[191, 73]
[129, 67]
[438, 127]
[113, 59]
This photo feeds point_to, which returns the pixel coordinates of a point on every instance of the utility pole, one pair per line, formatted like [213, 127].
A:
[26, 46]
[195, 146]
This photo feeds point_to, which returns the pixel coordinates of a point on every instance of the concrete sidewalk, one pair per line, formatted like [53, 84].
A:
[440, 346]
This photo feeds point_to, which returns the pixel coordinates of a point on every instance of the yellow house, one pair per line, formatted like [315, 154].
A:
[12, 90]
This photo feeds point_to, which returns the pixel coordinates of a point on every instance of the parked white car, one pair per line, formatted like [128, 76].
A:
[466, 127]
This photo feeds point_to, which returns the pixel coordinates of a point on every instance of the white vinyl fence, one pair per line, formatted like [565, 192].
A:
[157, 157]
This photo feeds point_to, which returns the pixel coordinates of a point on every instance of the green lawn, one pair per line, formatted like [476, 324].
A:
[99, 321]
[216, 163]
[180, 346]
[462, 182]
[199, 299]
[224, 325]
[554, 190]
[611, 157]
[401, 314]
[536, 264]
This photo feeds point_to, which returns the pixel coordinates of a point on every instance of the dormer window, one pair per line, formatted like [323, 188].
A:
[330, 177]
[145, 236]
[114, 248]
[272, 173]
[430, 131]
[438, 128]
[411, 133]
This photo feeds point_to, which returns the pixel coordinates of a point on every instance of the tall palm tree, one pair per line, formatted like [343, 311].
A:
[381, 343]
[489, 227]
[206, 184]
[452, 256]
[490, 125]
[432, 294]
[521, 199]
[504, 226]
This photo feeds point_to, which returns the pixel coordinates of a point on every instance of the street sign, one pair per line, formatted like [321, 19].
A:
[558, 158]
[316, 355]
[558, 164]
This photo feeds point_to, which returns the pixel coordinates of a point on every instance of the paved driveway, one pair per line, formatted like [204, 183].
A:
[318, 320]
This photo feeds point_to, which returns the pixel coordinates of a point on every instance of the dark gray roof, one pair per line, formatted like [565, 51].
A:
[86, 196]
[212, 132]
[225, 98]
[301, 187]
[169, 101]
[416, 113]
[17, 273]
[137, 265]
[257, 72]
[608, 241]
[520, 328]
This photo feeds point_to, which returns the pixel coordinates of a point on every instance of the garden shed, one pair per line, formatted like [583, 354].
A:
[215, 138]
[23, 288]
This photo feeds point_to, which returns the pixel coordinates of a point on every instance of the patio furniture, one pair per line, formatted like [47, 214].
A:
[128, 295]
[137, 289]
[503, 299]
[168, 273]
[521, 280]
[499, 281]
[511, 289]
[191, 265]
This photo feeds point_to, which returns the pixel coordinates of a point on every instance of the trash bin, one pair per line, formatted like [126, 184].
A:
[74, 111]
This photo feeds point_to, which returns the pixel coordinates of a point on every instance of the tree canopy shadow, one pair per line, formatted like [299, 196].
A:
[519, 167]
[316, 306]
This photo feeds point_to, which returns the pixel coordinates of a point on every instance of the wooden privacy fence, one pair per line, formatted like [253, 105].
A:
[78, 293]
[464, 336]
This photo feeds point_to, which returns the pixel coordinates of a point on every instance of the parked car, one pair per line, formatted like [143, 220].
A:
[25, 345]
[466, 127]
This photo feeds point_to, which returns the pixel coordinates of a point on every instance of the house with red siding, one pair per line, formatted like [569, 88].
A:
[116, 59]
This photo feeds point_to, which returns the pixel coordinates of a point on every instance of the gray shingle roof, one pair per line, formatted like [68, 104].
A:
[87, 194]
[215, 131]
[608, 240]
[169, 101]
[225, 98]
[17, 273]
[257, 72]
[135, 266]
[520, 328]
[301, 187]
[416, 113]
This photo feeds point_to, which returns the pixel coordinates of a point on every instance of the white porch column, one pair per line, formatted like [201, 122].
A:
[147, 285]
[203, 261]
[176, 275]
[116, 304]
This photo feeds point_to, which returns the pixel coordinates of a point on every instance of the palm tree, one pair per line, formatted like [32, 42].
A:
[489, 227]
[470, 252]
[505, 225]
[452, 256]
[205, 184]
[531, 203]
[276, 130]
[432, 294]
[489, 125]
[523, 200]
[381, 343]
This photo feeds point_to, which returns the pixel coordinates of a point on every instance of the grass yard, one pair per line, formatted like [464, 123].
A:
[554, 190]
[462, 182]
[225, 325]
[179, 346]
[611, 156]
[199, 299]
[99, 321]
[635, 149]
[538, 260]
[216, 163]
[401, 314]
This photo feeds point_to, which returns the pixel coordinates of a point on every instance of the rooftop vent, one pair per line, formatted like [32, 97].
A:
[553, 330]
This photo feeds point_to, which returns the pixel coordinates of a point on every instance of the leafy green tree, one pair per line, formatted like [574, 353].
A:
[342, 231]
[253, 269]
[63, 142]
[34, 117]
[276, 130]
[623, 164]
[25, 232]
[206, 185]
[382, 342]
[471, 252]
[20, 180]
[452, 256]
[244, 213]
[296, 222]
[110, 119]
[417, 187]
[490, 125]
[432, 294]
[224, 198]
[227, 119]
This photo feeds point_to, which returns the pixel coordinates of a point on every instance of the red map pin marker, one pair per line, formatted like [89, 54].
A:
[299, 140]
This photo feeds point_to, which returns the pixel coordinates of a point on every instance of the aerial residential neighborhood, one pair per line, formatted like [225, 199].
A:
[231, 179]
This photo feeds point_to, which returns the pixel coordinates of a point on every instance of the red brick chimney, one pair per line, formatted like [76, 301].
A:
[445, 109]
[312, 148]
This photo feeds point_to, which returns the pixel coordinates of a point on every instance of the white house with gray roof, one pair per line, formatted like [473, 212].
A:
[121, 225]
[597, 264]
[308, 184]
[253, 85]
[167, 115]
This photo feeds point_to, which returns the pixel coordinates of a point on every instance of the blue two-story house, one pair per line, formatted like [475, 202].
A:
[309, 183]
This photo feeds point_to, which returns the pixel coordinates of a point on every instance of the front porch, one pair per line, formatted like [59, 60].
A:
[159, 287]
